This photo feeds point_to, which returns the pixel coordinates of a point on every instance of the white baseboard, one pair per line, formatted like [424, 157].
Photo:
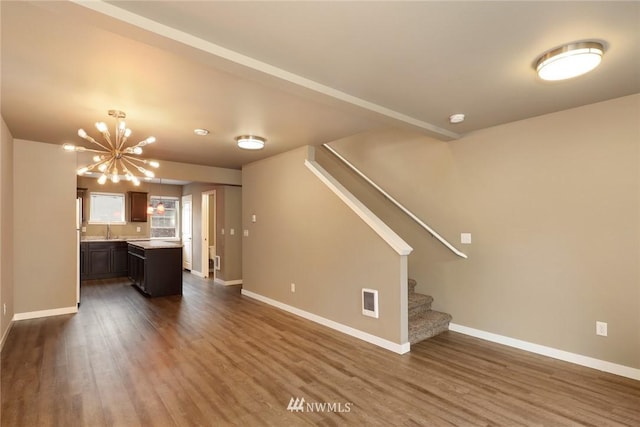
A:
[578, 359]
[228, 282]
[372, 339]
[45, 313]
[5, 335]
[197, 273]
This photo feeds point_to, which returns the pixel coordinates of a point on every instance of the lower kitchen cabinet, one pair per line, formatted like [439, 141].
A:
[103, 260]
[156, 271]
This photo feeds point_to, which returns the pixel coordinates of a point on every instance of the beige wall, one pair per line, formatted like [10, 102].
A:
[128, 230]
[304, 234]
[553, 207]
[231, 261]
[6, 230]
[45, 249]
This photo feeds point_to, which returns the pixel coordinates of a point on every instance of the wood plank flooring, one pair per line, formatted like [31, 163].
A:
[216, 358]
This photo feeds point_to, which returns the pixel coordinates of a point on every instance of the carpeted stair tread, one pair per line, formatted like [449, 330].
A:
[428, 325]
[419, 304]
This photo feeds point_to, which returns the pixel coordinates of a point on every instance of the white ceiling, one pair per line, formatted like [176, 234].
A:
[297, 73]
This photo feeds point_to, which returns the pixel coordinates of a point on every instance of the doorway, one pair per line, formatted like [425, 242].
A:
[210, 260]
[187, 227]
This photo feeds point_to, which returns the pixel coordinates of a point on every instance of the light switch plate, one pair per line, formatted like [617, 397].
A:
[246, 233]
[232, 232]
[465, 238]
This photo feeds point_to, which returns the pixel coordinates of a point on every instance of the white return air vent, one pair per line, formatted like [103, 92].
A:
[370, 302]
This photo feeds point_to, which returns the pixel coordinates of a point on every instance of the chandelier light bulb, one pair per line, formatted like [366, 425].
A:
[127, 133]
[154, 164]
[102, 179]
[69, 147]
[83, 170]
[102, 167]
[82, 133]
[149, 174]
[102, 127]
[137, 150]
[150, 140]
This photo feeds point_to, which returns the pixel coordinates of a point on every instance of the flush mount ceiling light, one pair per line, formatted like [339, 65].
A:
[114, 156]
[250, 142]
[570, 60]
[201, 132]
[456, 118]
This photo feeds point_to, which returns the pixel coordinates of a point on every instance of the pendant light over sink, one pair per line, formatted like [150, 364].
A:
[114, 157]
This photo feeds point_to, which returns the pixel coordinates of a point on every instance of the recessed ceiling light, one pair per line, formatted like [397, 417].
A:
[250, 142]
[456, 118]
[570, 60]
[201, 132]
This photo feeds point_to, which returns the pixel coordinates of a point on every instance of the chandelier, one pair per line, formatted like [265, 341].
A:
[114, 158]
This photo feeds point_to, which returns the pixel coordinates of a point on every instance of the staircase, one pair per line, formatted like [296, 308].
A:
[423, 322]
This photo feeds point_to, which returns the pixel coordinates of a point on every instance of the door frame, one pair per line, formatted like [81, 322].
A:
[182, 211]
[206, 226]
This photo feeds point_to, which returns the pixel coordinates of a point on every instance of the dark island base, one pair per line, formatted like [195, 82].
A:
[156, 271]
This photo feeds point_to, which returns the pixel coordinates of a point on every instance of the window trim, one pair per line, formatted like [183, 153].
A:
[178, 223]
[103, 193]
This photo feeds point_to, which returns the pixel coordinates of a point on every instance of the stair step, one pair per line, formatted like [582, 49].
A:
[412, 285]
[428, 325]
[419, 304]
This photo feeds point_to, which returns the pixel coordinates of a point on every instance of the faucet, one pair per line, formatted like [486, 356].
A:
[108, 231]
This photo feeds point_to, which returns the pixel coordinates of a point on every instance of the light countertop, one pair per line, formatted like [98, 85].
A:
[155, 244]
[141, 243]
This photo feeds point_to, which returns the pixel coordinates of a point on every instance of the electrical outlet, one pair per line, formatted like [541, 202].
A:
[293, 287]
[601, 328]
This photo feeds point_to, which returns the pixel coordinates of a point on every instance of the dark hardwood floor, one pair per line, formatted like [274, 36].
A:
[214, 357]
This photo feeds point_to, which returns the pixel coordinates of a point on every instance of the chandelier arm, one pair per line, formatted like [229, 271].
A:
[122, 142]
[94, 165]
[128, 160]
[93, 150]
[90, 139]
[107, 137]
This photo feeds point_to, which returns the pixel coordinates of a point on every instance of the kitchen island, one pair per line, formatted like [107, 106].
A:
[155, 267]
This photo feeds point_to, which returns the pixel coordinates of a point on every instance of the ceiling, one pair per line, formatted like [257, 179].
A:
[297, 73]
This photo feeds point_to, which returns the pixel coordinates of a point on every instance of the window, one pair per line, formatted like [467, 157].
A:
[164, 225]
[106, 208]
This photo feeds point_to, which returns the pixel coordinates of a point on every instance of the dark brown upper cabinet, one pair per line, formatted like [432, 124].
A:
[137, 206]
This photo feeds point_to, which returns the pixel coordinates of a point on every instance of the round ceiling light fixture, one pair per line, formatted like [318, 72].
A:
[250, 142]
[570, 60]
[201, 132]
[456, 118]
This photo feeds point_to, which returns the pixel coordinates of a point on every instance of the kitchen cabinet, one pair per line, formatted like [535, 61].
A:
[155, 268]
[137, 206]
[103, 260]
